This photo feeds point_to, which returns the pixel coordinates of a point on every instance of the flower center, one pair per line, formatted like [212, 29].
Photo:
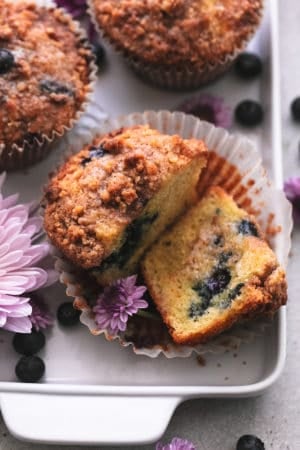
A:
[204, 112]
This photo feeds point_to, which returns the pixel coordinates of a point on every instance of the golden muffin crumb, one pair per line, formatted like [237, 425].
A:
[212, 269]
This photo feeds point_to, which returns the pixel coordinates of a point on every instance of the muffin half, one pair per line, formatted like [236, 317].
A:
[213, 269]
[110, 201]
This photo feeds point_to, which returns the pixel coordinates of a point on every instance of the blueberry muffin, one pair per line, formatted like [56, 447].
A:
[110, 201]
[45, 71]
[212, 269]
[178, 43]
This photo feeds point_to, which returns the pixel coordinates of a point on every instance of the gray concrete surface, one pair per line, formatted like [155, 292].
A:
[275, 417]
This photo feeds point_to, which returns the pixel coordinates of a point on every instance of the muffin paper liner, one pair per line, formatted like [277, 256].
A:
[19, 157]
[233, 164]
[174, 78]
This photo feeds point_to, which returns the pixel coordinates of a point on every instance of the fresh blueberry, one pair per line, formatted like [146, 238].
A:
[30, 369]
[99, 54]
[54, 87]
[295, 109]
[7, 61]
[249, 442]
[29, 344]
[247, 228]
[248, 65]
[67, 315]
[249, 113]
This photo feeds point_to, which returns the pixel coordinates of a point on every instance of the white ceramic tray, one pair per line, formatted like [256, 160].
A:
[96, 392]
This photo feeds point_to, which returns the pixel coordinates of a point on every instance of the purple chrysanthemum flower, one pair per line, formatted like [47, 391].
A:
[75, 7]
[78, 9]
[40, 317]
[176, 444]
[292, 192]
[208, 107]
[117, 302]
[19, 255]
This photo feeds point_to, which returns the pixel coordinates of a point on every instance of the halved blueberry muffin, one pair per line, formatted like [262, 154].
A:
[111, 201]
[212, 269]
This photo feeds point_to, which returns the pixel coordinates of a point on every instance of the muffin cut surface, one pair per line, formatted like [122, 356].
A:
[110, 201]
[212, 269]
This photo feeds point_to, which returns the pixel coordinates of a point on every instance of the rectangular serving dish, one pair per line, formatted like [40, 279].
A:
[92, 387]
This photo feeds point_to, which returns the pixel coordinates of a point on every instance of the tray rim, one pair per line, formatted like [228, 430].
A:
[186, 392]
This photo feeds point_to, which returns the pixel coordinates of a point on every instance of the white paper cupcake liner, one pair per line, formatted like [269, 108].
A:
[21, 156]
[174, 78]
[233, 164]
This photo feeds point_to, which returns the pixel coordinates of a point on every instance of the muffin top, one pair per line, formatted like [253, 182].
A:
[44, 72]
[105, 186]
[171, 32]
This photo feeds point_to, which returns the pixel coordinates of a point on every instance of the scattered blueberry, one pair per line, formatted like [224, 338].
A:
[249, 113]
[99, 54]
[247, 228]
[248, 65]
[7, 60]
[29, 344]
[67, 315]
[295, 108]
[55, 87]
[30, 369]
[249, 442]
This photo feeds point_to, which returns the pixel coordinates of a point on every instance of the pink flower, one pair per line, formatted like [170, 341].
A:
[40, 316]
[20, 262]
[117, 302]
[208, 107]
[292, 192]
[176, 444]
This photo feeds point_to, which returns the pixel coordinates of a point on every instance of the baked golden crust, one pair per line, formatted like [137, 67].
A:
[49, 78]
[101, 190]
[178, 33]
[213, 269]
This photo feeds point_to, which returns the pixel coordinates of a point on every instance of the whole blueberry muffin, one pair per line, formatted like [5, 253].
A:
[45, 78]
[178, 43]
[213, 269]
[108, 203]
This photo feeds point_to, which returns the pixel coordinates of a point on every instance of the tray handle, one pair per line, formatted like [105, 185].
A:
[86, 419]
